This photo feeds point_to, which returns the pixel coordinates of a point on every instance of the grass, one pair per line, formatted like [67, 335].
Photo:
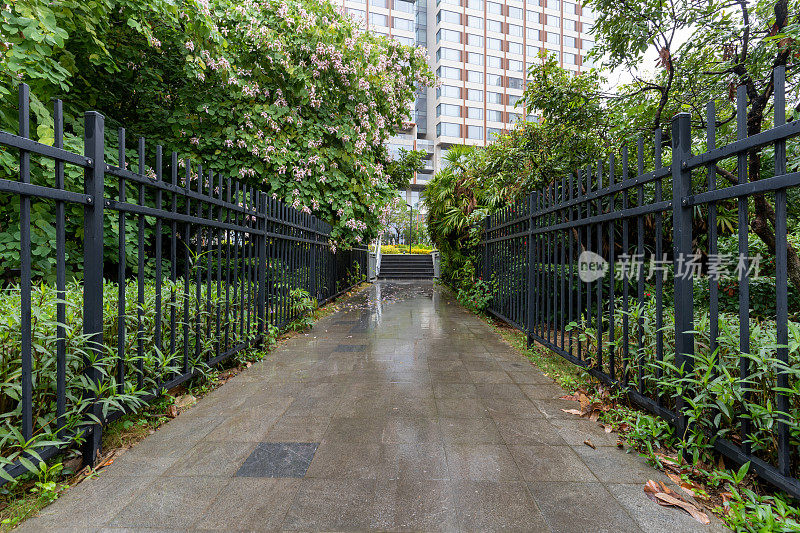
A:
[31, 493]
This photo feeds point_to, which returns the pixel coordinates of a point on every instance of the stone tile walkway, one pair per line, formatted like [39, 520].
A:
[402, 411]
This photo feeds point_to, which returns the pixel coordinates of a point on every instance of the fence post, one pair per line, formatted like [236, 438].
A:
[529, 311]
[262, 264]
[682, 249]
[486, 249]
[313, 270]
[93, 266]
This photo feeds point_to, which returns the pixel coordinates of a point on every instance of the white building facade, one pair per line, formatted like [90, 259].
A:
[480, 50]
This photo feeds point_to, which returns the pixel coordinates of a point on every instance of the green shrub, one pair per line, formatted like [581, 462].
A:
[390, 249]
[204, 323]
[718, 398]
[478, 295]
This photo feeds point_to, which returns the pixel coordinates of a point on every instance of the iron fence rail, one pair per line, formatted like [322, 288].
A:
[618, 210]
[217, 263]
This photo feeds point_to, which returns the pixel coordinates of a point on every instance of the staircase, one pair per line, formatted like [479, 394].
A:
[404, 266]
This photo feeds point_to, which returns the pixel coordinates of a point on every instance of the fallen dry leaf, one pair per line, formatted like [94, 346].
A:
[666, 497]
[172, 411]
[650, 489]
[695, 513]
[184, 401]
[590, 444]
[573, 412]
[687, 487]
[607, 429]
[585, 402]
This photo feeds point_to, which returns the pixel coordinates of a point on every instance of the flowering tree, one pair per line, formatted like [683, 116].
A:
[291, 96]
[298, 101]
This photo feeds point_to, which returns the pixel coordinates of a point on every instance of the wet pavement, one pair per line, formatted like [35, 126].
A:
[401, 411]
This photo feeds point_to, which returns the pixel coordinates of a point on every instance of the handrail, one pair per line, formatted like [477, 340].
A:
[378, 255]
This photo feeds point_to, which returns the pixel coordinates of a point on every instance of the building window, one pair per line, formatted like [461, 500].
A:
[515, 30]
[448, 129]
[494, 98]
[570, 41]
[403, 6]
[475, 40]
[494, 62]
[532, 16]
[570, 8]
[515, 48]
[492, 115]
[450, 2]
[513, 117]
[553, 38]
[356, 13]
[475, 4]
[403, 24]
[379, 3]
[531, 50]
[514, 66]
[492, 133]
[475, 132]
[378, 19]
[513, 99]
[450, 54]
[494, 25]
[450, 36]
[494, 7]
[474, 58]
[569, 59]
[474, 76]
[475, 95]
[448, 16]
[475, 22]
[553, 21]
[449, 73]
[494, 80]
[514, 83]
[587, 44]
[475, 112]
[448, 110]
[514, 13]
[554, 4]
[570, 25]
[494, 44]
[448, 91]
[408, 41]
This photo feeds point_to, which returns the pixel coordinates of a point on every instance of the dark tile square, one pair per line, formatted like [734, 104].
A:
[350, 348]
[279, 459]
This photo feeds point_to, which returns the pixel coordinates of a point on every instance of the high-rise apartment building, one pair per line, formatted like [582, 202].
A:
[480, 50]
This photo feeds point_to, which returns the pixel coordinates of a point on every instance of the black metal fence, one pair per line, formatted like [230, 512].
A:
[655, 326]
[204, 266]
